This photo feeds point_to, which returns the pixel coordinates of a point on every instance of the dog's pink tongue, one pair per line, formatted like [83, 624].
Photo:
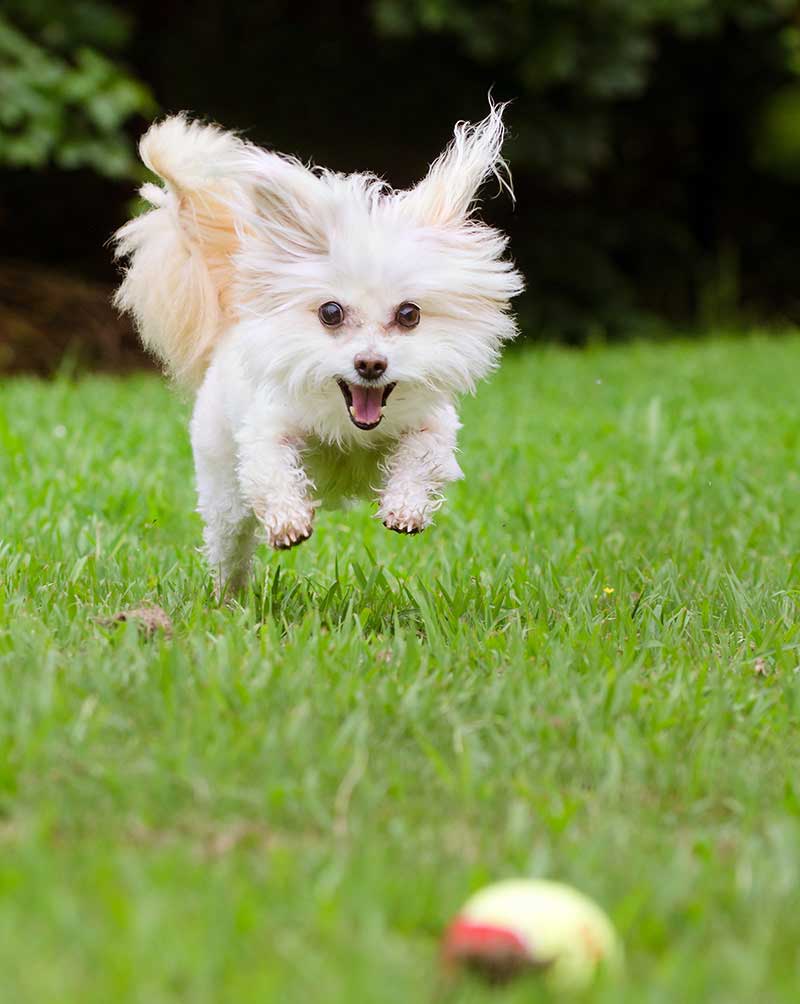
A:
[367, 403]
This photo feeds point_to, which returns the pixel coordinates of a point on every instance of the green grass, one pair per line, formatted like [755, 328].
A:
[289, 799]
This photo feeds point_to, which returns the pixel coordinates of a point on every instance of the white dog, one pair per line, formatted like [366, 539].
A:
[327, 321]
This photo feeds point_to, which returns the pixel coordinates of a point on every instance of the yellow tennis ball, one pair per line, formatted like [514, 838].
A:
[533, 925]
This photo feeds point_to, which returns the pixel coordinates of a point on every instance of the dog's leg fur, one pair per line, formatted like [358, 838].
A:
[421, 464]
[229, 532]
[273, 483]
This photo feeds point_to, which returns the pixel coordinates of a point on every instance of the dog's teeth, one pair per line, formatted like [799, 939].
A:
[352, 411]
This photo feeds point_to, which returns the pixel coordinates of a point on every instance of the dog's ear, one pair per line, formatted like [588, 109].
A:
[448, 192]
[291, 205]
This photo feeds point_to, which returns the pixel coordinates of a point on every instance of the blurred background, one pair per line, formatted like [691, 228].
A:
[655, 144]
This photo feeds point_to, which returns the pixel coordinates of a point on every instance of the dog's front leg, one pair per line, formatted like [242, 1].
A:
[272, 479]
[421, 464]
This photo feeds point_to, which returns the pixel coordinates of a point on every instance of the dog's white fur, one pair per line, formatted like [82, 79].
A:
[225, 277]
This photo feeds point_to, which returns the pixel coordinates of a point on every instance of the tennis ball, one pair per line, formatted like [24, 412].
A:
[524, 925]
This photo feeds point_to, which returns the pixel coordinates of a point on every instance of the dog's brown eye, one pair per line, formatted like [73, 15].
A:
[331, 314]
[407, 315]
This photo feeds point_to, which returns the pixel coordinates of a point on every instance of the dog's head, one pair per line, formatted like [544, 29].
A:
[350, 292]
[340, 291]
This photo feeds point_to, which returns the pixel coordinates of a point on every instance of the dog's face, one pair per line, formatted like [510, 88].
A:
[362, 303]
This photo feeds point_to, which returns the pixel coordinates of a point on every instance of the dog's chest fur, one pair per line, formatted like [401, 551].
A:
[343, 475]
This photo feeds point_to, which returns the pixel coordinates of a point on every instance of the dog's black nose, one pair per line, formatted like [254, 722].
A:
[370, 367]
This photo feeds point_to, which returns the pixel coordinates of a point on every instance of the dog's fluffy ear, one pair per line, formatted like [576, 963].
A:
[448, 192]
[291, 205]
[180, 253]
[286, 230]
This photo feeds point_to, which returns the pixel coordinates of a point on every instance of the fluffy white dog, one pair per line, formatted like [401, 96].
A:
[327, 321]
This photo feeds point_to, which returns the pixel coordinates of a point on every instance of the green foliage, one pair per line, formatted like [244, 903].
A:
[779, 148]
[63, 100]
[587, 669]
[639, 132]
[778, 138]
[584, 56]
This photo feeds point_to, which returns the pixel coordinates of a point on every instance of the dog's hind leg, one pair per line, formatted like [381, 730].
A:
[229, 541]
[229, 533]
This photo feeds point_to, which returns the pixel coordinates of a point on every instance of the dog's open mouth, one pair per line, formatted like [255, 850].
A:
[365, 404]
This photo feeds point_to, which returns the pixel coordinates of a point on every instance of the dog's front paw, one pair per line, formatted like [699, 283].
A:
[408, 528]
[287, 535]
[288, 527]
[405, 518]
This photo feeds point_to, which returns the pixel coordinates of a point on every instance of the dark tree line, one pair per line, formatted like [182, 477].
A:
[655, 144]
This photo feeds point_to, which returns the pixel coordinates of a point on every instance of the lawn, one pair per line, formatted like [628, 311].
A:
[588, 670]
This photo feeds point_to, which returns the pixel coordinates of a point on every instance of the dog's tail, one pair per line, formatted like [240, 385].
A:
[179, 253]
